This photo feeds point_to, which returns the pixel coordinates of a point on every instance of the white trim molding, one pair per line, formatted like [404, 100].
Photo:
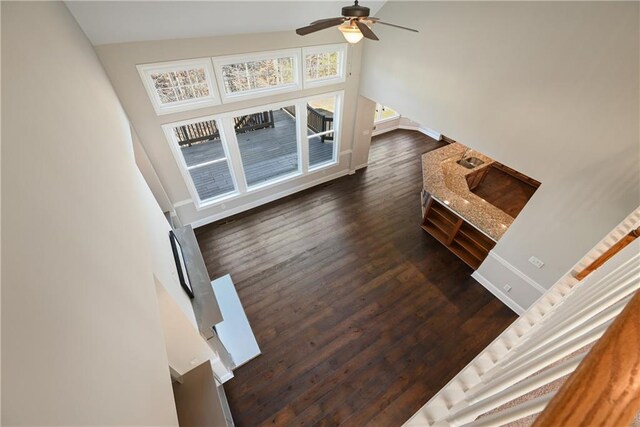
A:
[182, 203]
[295, 85]
[429, 132]
[519, 310]
[383, 131]
[174, 145]
[517, 272]
[424, 130]
[340, 49]
[364, 165]
[338, 99]
[232, 154]
[266, 199]
[146, 70]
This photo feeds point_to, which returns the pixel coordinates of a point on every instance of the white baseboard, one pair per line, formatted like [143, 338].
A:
[432, 133]
[429, 132]
[364, 165]
[506, 264]
[381, 131]
[226, 378]
[266, 199]
[499, 294]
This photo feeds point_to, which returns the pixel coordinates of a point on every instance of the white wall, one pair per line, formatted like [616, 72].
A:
[0, 229]
[186, 349]
[120, 61]
[163, 263]
[149, 174]
[366, 110]
[550, 89]
[82, 336]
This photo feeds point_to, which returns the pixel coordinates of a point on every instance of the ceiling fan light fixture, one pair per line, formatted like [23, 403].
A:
[354, 24]
[351, 32]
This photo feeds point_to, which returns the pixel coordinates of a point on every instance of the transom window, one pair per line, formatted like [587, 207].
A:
[321, 65]
[190, 84]
[324, 65]
[179, 86]
[254, 75]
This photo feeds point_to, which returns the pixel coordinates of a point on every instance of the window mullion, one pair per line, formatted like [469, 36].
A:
[326, 132]
[337, 126]
[211, 162]
[233, 154]
[303, 140]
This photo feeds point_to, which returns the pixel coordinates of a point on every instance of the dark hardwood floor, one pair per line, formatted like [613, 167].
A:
[504, 191]
[360, 315]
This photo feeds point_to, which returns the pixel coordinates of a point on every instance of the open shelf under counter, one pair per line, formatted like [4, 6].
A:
[465, 240]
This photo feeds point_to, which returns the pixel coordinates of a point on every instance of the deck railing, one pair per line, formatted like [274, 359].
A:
[253, 122]
[577, 347]
[319, 120]
[208, 130]
[197, 132]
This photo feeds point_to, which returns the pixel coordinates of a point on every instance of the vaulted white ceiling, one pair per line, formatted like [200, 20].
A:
[106, 22]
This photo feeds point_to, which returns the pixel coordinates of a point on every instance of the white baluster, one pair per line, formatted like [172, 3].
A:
[512, 376]
[530, 407]
[468, 413]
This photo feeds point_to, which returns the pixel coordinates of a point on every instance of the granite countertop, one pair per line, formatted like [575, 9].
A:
[445, 180]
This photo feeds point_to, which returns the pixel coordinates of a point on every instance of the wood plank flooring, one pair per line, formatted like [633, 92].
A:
[360, 315]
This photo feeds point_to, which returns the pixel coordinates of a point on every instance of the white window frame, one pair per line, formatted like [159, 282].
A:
[220, 61]
[341, 49]
[224, 123]
[145, 71]
[337, 129]
[233, 140]
[377, 118]
[184, 169]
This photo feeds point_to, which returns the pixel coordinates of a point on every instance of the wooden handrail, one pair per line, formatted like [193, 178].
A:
[605, 388]
[633, 234]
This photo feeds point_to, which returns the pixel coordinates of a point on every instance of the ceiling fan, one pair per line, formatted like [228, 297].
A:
[354, 24]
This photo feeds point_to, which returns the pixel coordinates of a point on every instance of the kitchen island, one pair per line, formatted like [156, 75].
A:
[467, 224]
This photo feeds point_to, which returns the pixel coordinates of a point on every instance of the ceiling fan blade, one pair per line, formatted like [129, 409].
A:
[325, 20]
[319, 26]
[377, 21]
[366, 31]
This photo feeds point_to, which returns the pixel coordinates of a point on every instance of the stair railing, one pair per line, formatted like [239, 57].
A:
[604, 390]
[577, 327]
